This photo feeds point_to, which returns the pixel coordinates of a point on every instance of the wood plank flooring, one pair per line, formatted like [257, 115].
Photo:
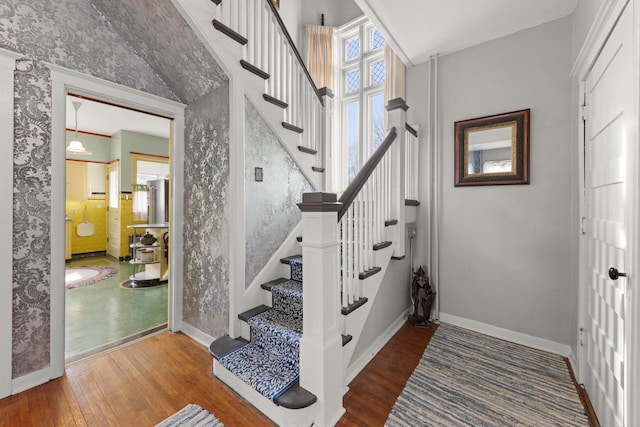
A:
[142, 383]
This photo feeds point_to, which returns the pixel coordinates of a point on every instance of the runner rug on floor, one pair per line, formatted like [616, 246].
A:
[191, 416]
[469, 379]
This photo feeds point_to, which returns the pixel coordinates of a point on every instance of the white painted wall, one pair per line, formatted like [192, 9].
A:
[393, 299]
[336, 12]
[506, 251]
[583, 16]
[291, 13]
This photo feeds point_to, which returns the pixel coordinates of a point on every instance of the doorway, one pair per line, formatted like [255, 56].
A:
[607, 359]
[104, 202]
[63, 82]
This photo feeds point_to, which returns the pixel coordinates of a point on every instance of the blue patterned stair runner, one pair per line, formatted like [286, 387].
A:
[270, 361]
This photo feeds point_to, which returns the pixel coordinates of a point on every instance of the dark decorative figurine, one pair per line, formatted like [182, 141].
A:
[422, 297]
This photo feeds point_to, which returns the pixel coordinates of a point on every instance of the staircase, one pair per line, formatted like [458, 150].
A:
[248, 39]
[294, 378]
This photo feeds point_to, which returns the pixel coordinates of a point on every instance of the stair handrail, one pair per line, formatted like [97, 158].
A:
[295, 50]
[365, 172]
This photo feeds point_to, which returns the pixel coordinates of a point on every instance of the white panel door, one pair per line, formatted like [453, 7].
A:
[608, 162]
[113, 203]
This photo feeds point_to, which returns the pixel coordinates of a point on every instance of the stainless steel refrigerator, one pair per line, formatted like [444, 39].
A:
[158, 201]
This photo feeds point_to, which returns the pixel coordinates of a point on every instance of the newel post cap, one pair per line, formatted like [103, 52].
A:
[320, 202]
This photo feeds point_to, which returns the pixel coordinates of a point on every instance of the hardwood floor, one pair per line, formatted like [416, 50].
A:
[144, 382]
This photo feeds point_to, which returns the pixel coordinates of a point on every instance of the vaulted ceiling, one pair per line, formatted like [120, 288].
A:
[418, 29]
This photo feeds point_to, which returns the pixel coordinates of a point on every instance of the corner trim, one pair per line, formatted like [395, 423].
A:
[509, 335]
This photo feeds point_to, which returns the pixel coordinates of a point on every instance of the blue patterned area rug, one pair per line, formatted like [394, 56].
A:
[191, 416]
[469, 379]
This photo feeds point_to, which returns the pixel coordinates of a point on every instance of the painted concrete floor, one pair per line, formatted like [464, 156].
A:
[103, 315]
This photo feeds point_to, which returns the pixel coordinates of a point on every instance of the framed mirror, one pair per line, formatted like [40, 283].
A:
[492, 150]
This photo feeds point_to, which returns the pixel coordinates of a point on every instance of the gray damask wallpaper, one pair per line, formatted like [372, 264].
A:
[167, 43]
[206, 251]
[31, 218]
[271, 209]
[135, 51]
[73, 34]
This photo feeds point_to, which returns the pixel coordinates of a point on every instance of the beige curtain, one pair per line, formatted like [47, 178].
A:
[320, 54]
[394, 82]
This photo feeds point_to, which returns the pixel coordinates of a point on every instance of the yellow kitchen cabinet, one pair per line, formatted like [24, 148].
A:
[76, 180]
[68, 239]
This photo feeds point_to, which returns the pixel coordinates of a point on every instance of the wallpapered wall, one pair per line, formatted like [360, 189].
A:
[206, 249]
[270, 206]
[31, 218]
[76, 35]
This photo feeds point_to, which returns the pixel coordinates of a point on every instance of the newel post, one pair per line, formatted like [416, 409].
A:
[397, 116]
[329, 178]
[321, 342]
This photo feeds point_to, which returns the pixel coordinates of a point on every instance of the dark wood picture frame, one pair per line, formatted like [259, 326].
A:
[503, 135]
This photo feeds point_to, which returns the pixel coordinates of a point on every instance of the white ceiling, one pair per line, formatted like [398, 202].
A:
[418, 29]
[105, 119]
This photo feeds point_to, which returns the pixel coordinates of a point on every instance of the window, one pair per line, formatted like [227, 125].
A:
[360, 93]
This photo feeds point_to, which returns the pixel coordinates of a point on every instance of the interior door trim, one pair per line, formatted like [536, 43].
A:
[63, 81]
[7, 68]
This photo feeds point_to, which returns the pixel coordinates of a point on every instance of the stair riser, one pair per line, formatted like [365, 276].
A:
[285, 351]
[290, 304]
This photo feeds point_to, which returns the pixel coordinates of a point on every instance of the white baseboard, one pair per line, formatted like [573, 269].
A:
[197, 335]
[354, 369]
[31, 380]
[508, 335]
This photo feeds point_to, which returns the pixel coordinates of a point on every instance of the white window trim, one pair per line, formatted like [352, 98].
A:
[360, 27]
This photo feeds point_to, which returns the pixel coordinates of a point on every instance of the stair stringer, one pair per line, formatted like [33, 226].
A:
[354, 322]
[254, 295]
[228, 54]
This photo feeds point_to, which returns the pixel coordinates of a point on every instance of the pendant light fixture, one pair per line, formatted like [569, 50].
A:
[75, 147]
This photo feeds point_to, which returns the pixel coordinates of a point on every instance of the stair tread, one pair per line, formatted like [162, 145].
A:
[346, 339]
[288, 259]
[354, 305]
[278, 323]
[268, 285]
[381, 245]
[261, 370]
[225, 345]
[229, 32]
[296, 397]
[366, 274]
[245, 316]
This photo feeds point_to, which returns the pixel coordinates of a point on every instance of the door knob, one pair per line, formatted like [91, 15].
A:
[614, 273]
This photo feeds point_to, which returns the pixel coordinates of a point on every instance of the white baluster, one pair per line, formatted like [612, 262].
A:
[278, 65]
[343, 271]
[226, 13]
[265, 36]
[235, 16]
[258, 34]
[247, 20]
[272, 57]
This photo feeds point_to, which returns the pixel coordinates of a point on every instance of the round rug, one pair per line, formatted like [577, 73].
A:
[83, 275]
